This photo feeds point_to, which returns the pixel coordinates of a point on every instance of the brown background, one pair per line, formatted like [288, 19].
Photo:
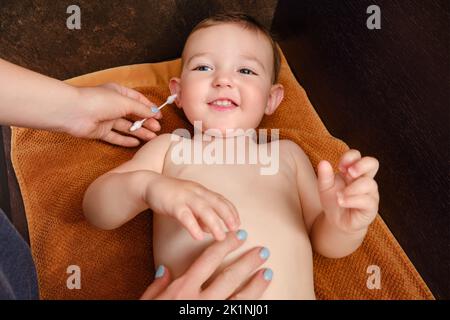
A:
[384, 92]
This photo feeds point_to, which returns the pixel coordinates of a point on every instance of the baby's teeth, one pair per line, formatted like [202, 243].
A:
[223, 103]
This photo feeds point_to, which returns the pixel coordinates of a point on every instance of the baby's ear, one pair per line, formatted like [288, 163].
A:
[275, 97]
[175, 87]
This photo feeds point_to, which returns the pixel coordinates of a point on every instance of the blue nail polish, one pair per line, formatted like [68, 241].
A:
[264, 253]
[159, 272]
[241, 234]
[268, 274]
[155, 109]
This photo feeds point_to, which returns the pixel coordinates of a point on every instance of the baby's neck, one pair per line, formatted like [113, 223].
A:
[247, 139]
[232, 149]
[239, 149]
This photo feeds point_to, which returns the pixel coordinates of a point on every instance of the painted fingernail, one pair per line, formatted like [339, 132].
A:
[268, 274]
[155, 109]
[264, 253]
[241, 234]
[159, 272]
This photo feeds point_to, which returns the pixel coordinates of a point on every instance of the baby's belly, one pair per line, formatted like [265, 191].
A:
[277, 225]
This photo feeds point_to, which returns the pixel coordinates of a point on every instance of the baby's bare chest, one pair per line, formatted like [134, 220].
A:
[243, 184]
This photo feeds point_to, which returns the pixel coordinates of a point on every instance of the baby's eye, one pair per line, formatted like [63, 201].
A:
[203, 68]
[247, 71]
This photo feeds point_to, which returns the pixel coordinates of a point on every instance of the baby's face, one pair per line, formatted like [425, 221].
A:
[226, 81]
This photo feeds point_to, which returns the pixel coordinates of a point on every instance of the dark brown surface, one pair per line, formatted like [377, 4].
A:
[33, 33]
[386, 93]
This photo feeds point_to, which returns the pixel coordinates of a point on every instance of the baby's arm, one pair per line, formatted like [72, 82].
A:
[120, 194]
[335, 231]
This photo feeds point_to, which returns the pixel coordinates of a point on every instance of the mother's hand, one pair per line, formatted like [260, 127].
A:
[224, 286]
[99, 113]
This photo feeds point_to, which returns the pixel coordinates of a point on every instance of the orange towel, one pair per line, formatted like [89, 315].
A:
[54, 170]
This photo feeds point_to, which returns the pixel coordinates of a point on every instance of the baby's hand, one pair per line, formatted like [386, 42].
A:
[193, 205]
[350, 198]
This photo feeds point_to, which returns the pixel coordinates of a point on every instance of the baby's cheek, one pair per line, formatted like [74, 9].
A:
[190, 100]
[193, 93]
[257, 96]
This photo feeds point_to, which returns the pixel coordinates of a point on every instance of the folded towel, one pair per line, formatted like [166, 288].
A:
[54, 170]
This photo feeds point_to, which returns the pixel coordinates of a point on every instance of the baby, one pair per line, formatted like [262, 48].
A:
[227, 84]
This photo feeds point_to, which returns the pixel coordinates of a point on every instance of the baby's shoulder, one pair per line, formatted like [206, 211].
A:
[293, 150]
[157, 146]
[291, 147]
[162, 140]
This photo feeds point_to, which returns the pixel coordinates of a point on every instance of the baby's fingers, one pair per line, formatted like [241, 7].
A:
[367, 166]
[187, 219]
[349, 158]
[365, 203]
[227, 212]
[210, 219]
[361, 185]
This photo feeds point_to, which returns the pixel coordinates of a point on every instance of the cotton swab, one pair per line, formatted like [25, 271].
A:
[137, 124]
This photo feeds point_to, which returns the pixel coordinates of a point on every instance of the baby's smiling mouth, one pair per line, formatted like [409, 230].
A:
[223, 104]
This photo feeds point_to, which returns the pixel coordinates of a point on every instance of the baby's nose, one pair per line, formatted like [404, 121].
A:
[223, 80]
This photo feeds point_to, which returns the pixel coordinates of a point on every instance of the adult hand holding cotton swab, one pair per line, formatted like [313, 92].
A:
[137, 124]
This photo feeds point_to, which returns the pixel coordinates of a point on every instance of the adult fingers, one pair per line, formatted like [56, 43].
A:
[236, 274]
[212, 257]
[124, 125]
[152, 124]
[255, 287]
[136, 95]
[131, 93]
[133, 102]
[120, 140]
[161, 282]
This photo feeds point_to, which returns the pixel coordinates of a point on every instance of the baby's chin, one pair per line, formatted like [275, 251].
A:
[227, 133]
[221, 131]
